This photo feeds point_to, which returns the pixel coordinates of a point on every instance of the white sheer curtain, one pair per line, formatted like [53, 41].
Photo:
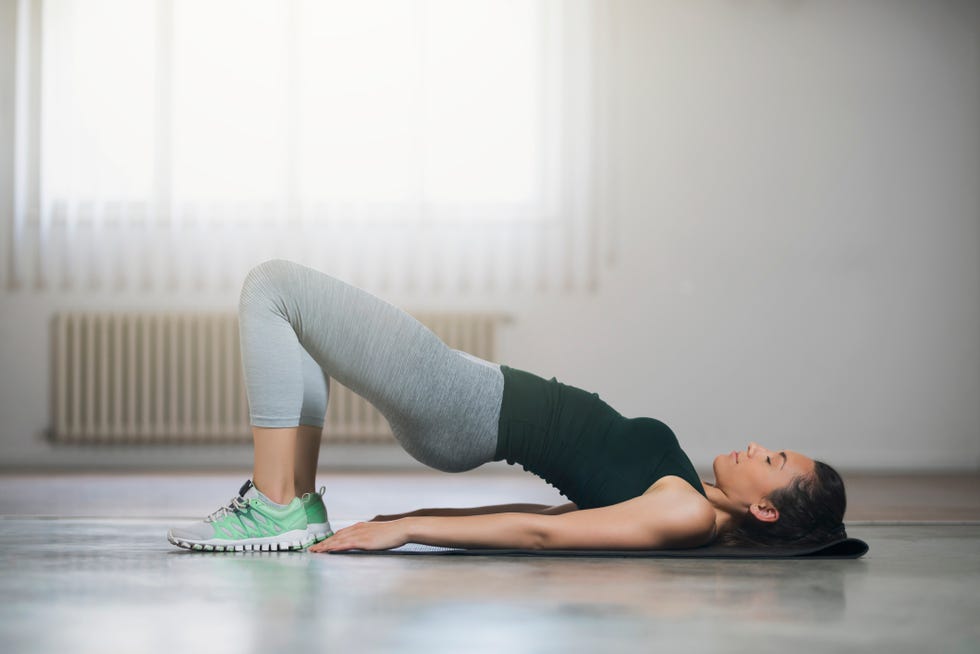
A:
[427, 145]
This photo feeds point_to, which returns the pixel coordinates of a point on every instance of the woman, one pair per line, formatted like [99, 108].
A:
[631, 485]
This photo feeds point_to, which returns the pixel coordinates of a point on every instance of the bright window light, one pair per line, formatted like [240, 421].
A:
[392, 103]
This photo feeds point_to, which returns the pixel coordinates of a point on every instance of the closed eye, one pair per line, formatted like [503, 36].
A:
[768, 460]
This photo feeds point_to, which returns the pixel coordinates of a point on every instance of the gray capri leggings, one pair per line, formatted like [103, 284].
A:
[299, 327]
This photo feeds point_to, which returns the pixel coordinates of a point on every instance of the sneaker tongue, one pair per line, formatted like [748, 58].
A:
[246, 487]
[248, 491]
[251, 492]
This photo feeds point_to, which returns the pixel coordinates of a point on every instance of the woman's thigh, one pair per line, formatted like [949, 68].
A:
[442, 404]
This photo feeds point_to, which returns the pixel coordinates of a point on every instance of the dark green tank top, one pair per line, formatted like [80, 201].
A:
[582, 446]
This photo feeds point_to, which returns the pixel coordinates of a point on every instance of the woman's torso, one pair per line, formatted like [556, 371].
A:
[582, 446]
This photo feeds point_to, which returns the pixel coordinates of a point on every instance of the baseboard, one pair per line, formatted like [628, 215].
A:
[198, 457]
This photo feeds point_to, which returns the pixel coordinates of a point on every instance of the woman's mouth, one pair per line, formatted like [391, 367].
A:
[735, 454]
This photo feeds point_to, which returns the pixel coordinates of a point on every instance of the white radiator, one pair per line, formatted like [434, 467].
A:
[177, 378]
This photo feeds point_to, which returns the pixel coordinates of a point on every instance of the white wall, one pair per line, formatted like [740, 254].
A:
[799, 228]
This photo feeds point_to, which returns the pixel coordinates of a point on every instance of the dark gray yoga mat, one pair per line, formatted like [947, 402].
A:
[843, 548]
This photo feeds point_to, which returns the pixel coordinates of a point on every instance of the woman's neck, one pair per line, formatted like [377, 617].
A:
[725, 509]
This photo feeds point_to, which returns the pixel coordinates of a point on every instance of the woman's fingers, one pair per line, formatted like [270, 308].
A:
[364, 536]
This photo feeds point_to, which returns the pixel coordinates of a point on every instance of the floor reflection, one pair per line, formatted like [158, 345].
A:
[117, 585]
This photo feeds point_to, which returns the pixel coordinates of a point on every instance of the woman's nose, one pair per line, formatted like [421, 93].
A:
[753, 448]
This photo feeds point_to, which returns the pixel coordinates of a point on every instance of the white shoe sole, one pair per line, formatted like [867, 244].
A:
[319, 531]
[296, 539]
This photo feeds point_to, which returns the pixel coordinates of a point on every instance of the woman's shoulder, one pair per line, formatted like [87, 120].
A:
[686, 496]
[688, 504]
[680, 487]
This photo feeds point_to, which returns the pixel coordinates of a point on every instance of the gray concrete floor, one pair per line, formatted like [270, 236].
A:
[85, 567]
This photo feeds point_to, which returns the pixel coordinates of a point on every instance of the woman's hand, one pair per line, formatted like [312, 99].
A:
[365, 536]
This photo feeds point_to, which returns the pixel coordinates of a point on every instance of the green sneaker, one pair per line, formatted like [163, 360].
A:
[318, 526]
[249, 522]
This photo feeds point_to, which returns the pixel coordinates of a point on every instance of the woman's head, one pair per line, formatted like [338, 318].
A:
[786, 497]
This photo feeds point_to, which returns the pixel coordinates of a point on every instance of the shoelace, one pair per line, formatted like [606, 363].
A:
[237, 504]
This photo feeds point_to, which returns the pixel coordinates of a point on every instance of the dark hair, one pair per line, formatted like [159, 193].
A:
[811, 512]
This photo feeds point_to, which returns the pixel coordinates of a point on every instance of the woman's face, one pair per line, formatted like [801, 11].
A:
[750, 475]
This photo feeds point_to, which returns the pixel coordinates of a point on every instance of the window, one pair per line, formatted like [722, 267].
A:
[471, 118]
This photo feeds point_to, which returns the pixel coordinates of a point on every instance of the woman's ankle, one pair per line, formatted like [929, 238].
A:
[278, 493]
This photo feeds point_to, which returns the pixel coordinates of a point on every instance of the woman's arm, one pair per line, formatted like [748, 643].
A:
[657, 519]
[542, 509]
[665, 517]
[495, 530]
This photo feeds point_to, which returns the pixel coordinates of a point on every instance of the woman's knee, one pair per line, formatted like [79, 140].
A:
[263, 279]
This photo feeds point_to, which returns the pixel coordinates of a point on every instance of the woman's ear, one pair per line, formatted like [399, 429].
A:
[765, 512]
